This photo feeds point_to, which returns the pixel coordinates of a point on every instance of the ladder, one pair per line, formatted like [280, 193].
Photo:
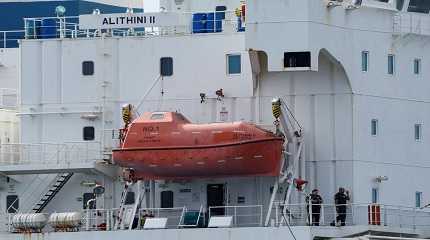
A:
[124, 211]
[119, 218]
[58, 184]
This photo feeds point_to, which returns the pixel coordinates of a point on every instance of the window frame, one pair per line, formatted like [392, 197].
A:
[92, 72]
[365, 58]
[93, 135]
[391, 64]
[374, 122]
[417, 66]
[228, 63]
[418, 137]
[418, 199]
[375, 195]
[162, 59]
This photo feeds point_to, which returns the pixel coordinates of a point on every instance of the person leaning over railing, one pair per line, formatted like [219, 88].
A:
[341, 199]
[313, 205]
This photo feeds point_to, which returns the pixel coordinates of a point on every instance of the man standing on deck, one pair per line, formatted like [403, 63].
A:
[314, 201]
[341, 198]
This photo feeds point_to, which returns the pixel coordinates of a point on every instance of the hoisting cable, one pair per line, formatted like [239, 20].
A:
[147, 93]
[291, 113]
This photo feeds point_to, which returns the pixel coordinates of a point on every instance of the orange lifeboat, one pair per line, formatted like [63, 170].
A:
[165, 145]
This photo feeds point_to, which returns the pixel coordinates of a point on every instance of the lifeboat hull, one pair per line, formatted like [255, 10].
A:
[253, 158]
[168, 146]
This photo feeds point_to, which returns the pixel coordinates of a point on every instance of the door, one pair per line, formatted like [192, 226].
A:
[215, 198]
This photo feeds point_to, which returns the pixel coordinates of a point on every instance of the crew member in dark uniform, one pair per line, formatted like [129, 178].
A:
[315, 200]
[341, 198]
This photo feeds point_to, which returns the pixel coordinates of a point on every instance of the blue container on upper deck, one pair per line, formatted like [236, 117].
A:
[48, 28]
[199, 22]
[214, 22]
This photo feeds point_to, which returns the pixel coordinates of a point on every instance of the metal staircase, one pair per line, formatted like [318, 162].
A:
[57, 185]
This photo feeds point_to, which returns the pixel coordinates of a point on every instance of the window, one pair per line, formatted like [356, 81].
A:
[391, 63]
[234, 65]
[87, 68]
[87, 197]
[375, 195]
[297, 59]
[157, 116]
[166, 199]
[420, 6]
[417, 132]
[374, 127]
[89, 133]
[417, 66]
[220, 12]
[166, 66]
[364, 61]
[418, 199]
[12, 203]
[399, 4]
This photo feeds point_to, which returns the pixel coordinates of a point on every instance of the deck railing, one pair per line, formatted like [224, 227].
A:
[398, 217]
[8, 98]
[243, 216]
[50, 153]
[68, 27]
[10, 38]
[356, 214]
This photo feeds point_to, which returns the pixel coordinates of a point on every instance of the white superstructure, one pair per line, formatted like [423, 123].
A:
[353, 74]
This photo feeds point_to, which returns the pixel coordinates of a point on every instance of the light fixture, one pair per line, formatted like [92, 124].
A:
[60, 11]
[333, 3]
[96, 11]
[380, 179]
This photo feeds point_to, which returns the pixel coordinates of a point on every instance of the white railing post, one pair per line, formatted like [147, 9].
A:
[87, 223]
[235, 216]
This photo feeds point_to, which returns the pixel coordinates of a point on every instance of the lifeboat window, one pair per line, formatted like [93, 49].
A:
[12, 203]
[87, 68]
[89, 134]
[87, 197]
[166, 199]
[166, 66]
[157, 116]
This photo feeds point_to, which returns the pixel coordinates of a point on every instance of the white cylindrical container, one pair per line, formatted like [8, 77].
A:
[65, 220]
[30, 221]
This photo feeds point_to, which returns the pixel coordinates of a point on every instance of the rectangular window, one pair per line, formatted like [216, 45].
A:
[87, 68]
[418, 199]
[418, 132]
[417, 66]
[364, 61]
[297, 59]
[374, 127]
[88, 133]
[12, 203]
[391, 63]
[166, 199]
[375, 195]
[166, 66]
[234, 65]
[87, 204]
